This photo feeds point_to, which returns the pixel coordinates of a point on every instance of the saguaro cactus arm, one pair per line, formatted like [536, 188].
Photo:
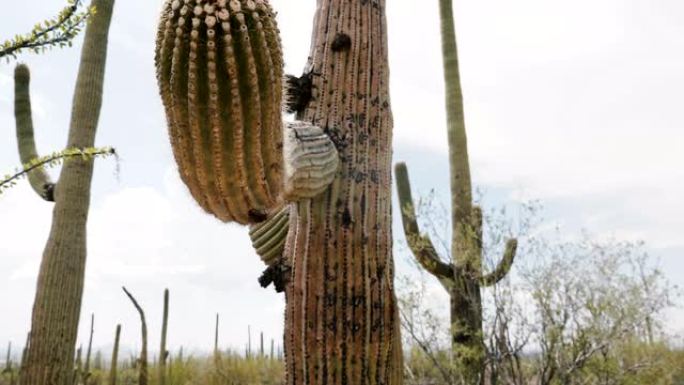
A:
[504, 265]
[268, 238]
[219, 70]
[421, 245]
[38, 178]
[506, 261]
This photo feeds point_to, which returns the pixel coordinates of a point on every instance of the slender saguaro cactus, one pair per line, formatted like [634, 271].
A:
[115, 357]
[86, 368]
[216, 338]
[142, 361]
[163, 353]
[78, 366]
[57, 304]
[463, 276]
[9, 368]
[216, 66]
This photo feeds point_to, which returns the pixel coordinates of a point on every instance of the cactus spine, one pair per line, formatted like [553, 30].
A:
[57, 304]
[463, 276]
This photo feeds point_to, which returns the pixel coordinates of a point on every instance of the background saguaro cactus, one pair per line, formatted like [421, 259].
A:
[163, 353]
[114, 361]
[463, 276]
[57, 304]
[143, 374]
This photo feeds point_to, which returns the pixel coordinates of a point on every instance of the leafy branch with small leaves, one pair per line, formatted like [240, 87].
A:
[53, 160]
[56, 32]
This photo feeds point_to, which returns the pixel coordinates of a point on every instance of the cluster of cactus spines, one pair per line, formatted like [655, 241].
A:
[39, 179]
[463, 276]
[268, 237]
[219, 69]
[59, 290]
[310, 161]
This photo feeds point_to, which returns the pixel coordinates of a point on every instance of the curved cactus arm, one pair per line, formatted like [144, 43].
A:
[268, 237]
[504, 265]
[38, 177]
[420, 245]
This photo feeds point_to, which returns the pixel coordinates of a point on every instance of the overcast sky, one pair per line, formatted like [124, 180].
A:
[578, 104]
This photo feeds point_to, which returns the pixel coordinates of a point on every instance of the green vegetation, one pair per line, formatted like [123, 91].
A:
[575, 310]
[56, 32]
[228, 368]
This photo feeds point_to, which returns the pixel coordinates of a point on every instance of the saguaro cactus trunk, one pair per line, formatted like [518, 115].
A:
[57, 304]
[462, 276]
[341, 315]
[331, 169]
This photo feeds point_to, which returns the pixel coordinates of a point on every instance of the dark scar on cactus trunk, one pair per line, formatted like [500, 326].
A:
[257, 216]
[342, 42]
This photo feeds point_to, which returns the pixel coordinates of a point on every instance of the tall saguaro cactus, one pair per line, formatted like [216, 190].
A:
[341, 317]
[57, 304]
[218, 63]
[463, 276]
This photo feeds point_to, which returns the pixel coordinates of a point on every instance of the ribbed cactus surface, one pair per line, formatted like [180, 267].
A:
[220, 69]
[268, 238]
[311, 161]
[39, 178]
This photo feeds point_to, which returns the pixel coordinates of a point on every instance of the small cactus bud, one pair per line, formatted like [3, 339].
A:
[219, 68]
[311, 161]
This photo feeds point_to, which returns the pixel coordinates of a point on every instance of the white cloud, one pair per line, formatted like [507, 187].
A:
[147, 240]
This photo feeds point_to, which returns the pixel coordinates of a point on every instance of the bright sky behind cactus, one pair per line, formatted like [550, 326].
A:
[577, 104]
